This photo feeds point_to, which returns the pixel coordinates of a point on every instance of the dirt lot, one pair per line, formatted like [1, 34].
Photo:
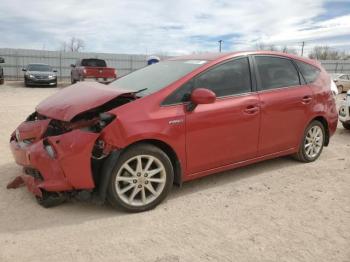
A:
[278, 210]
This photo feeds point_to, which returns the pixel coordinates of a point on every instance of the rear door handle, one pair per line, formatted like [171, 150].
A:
[252, 109]
[306, 99]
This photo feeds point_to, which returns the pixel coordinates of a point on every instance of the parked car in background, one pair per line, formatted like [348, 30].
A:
[92, 69]
[334, 88]
[344, 111]
[343, 82]
[173, 121]
[2, 79]
[39, 75]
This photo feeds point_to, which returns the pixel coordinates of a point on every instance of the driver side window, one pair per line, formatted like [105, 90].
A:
[229, 78]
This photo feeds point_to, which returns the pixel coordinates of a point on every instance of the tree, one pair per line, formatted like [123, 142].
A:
[289, 50]
[273, 47]
[326, 53]
[73, 45]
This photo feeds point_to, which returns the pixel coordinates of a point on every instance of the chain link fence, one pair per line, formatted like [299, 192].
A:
[16, 59]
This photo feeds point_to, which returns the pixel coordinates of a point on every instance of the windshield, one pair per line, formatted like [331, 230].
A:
[41, 68]
[93, 62]
[157, 76]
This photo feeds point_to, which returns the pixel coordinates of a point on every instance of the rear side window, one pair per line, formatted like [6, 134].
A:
[275, 72]
[93, 62]
[309, 72]
[230, 78]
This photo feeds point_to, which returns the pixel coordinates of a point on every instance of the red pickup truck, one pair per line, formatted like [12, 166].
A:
[92, 69]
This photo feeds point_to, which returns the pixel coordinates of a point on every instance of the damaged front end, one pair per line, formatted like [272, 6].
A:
[60, 158]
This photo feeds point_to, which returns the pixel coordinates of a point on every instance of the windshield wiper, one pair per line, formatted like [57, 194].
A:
[139, 91]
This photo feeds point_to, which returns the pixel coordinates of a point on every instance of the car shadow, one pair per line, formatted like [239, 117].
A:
[20, 211]
[232, 176]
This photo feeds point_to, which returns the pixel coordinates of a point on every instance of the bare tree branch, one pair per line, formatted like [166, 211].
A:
[73, 45]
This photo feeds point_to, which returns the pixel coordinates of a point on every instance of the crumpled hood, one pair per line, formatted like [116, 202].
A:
[73, 100]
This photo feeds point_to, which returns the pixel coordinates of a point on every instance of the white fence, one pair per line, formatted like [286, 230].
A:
[16, 59]
[336, 66]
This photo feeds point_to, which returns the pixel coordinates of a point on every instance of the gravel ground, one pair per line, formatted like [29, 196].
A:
[277, 210]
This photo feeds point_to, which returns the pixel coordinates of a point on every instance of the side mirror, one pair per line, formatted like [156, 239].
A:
[55, 71]
[23, 69]
[201, 96]
[72, 65]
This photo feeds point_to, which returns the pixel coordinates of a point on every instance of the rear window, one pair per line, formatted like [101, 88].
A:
[93, 62]
[309, 72]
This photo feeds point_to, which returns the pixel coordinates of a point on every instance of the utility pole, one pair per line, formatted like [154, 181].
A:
[302, 48]
[220, 42]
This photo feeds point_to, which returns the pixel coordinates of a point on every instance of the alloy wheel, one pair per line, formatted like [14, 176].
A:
[140, 180]
[313, 141]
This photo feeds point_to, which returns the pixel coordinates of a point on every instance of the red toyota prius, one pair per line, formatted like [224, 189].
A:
[188, 117]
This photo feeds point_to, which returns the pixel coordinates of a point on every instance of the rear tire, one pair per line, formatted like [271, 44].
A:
[311, 145]
[2, 81]
[346, 125]
[141, 179]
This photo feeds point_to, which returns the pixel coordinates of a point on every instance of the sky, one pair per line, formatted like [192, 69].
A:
[174, 27]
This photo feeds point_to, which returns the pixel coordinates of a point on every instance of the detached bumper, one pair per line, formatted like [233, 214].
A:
[63, 162]
[29, 181]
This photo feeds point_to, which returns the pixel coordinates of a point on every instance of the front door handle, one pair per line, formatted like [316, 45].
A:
[306, 99]
[252, 109]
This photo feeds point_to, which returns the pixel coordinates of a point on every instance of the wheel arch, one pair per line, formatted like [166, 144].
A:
[169, 151]
[324, 122]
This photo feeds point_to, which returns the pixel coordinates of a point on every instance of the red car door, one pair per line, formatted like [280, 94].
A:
[226, 131]
[285, 104]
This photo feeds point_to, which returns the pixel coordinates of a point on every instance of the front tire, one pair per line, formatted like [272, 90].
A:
[141, 178]
[312, 142]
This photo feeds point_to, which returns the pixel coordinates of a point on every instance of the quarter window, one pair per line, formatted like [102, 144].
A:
[275, 72]
[309, 72]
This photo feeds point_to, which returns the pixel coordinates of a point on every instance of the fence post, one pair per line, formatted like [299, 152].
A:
[17, 73]
[60, 66]
[131, 65]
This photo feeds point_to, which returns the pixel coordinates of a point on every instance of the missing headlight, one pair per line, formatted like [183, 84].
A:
[49, 149]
